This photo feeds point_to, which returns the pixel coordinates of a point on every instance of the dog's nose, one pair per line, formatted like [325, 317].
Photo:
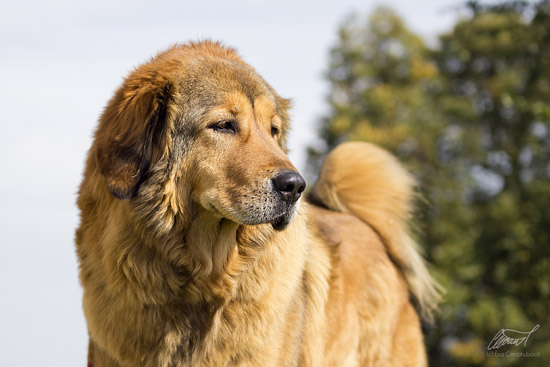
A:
[290, 184]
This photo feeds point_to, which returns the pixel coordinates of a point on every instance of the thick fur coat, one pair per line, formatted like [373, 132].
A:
[196, 249]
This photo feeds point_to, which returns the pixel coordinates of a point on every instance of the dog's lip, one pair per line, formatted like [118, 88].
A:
[281, 222]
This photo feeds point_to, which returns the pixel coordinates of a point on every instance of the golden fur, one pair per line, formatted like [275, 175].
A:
[189, 256]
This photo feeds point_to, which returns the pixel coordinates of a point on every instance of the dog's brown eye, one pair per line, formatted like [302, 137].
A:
[274, 131]
[225, 126]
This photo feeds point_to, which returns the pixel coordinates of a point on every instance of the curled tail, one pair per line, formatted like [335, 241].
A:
[368, 182]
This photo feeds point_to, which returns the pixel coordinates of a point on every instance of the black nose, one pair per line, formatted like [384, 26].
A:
[290, 184]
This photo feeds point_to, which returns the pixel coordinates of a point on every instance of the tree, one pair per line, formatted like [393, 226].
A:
[471, 119]
[496, 66]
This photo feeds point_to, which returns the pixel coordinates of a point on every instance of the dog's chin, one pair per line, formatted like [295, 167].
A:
[281, 222]
[279, 218]
[278, 222]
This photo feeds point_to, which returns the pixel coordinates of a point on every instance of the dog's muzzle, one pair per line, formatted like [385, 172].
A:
[289, 185]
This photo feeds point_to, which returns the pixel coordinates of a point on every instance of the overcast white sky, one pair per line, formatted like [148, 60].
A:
[60, 62]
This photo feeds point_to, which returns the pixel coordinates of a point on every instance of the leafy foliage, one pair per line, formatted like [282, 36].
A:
[471, 119]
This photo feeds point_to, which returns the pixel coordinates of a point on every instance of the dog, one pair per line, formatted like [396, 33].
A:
[197, 248]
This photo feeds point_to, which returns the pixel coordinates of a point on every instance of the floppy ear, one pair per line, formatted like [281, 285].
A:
[129, 137]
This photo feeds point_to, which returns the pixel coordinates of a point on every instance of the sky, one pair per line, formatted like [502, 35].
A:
[60, 62]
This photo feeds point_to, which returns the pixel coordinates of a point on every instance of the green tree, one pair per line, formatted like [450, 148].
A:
[496, 70]
[471, 119]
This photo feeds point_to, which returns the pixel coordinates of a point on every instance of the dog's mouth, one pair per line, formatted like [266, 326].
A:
[281, 222]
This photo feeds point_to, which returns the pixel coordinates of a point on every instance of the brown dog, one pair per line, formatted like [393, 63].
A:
[196, 250]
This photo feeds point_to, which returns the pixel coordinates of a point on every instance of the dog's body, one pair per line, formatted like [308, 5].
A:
[195, 250]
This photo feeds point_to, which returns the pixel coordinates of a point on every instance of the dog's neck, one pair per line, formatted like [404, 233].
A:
[219, 254]
[211, 258]
[211, 241]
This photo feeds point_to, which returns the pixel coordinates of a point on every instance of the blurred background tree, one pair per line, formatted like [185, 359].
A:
[471, 119]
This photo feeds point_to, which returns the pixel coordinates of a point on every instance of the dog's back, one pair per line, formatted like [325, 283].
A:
[375, 261]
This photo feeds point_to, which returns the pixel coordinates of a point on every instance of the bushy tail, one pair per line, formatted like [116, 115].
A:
[368, 182]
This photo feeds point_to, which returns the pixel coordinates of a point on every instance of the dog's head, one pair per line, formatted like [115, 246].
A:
[196, 125]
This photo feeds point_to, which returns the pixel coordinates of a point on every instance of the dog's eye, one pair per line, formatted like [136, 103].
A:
[225, 126]
[274, 131]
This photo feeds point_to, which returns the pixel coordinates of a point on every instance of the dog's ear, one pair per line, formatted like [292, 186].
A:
[283, 107]
[129, 137]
